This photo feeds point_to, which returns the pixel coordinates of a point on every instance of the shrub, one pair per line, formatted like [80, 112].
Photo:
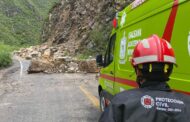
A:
[5, 56]
[5, 59]
[99, 37]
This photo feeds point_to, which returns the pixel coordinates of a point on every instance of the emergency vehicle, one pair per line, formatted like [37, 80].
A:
[169, 19]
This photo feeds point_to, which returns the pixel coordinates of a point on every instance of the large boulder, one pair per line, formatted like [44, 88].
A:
[88, 66]
[38, 66]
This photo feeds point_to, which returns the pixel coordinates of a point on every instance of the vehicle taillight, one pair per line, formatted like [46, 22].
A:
[114, 22]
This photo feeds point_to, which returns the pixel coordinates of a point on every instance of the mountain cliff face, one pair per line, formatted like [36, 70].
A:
[82, 26]
[21, 20]
[73, 31]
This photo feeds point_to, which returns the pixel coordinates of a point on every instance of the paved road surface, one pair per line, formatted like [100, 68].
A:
[47, 97]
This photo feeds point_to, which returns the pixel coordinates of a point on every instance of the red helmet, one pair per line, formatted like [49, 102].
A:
[153, 49]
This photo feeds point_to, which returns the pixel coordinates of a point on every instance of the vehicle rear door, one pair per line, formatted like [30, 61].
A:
[107, 73]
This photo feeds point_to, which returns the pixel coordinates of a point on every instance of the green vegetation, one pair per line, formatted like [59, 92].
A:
[83, 56]
[99, 38]
[21, 25]
[21, 20]
[5, 55]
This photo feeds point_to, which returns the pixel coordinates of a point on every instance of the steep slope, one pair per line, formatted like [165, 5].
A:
[82, 26]
[21, 20]
[75, 30]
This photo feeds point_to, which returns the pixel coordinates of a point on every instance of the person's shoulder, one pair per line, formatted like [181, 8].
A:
[181, 95]
[127, 95]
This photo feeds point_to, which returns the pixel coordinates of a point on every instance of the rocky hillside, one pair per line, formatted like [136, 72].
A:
[21, 20]
[74, 30]
[82, 26]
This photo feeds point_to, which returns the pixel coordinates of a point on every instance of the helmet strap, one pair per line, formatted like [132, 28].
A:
[150, 67]
[140, 79]
[166, 67]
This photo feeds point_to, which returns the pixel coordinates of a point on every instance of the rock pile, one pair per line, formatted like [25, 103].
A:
[55, 60]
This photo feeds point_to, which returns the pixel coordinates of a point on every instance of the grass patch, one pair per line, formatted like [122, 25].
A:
[99, 38]
[83, 56]
[5, 55]
[5, 59]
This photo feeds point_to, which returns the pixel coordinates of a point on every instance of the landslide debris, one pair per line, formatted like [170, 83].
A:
[54, 60]
[77, 24]
[74, 29]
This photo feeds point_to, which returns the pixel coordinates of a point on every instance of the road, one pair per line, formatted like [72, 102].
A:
[47, 97]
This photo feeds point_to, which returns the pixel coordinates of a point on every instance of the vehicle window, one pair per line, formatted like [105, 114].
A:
[109, 56]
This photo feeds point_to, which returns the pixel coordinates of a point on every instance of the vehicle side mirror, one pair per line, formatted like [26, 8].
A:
[99, 60]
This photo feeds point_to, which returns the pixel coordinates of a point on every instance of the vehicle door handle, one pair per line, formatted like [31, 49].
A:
[111, 72]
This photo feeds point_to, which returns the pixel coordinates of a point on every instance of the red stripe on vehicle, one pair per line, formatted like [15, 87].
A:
[120, 80]
[170, 24]
[131, 82]
[107, 77]
[126, 82]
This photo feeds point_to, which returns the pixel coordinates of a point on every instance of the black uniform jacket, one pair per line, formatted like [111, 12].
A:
[153, 102]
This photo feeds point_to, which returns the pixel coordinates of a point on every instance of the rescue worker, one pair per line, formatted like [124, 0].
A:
[154, 101]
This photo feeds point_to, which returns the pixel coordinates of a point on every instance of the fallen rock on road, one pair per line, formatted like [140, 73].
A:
[67, 66]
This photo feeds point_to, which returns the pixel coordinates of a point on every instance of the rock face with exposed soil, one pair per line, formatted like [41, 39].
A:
[82, 25]
[71, 22]
[73, 28]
